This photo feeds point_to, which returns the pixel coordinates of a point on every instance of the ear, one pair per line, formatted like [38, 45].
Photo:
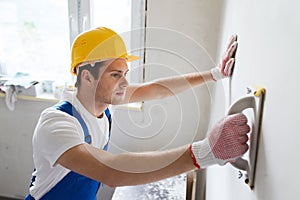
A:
[86, 76]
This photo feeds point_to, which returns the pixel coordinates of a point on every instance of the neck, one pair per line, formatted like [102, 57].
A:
[91, 105]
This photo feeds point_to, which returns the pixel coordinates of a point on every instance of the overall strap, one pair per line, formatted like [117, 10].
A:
[108, 115]
[92, 185]
[67, 107]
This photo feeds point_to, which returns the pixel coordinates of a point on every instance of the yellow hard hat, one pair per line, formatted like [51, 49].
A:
[98, 44]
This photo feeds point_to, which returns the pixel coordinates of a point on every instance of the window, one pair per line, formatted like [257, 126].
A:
[35, 36]
[126, 17]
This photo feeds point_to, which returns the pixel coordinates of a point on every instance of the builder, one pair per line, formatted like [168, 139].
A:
[71, 138]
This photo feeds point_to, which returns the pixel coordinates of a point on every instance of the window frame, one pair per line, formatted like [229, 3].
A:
[80, 19]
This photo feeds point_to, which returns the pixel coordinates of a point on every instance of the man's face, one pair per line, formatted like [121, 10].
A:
[112, 83]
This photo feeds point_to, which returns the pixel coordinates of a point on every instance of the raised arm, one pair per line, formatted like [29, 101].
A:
[165, 87]
[170, 86]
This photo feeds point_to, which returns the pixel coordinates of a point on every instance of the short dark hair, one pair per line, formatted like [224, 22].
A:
[93, 69]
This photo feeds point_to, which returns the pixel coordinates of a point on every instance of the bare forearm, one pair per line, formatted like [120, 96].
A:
[127, 168]
[134, 169]
[165, 87]
[178, 84]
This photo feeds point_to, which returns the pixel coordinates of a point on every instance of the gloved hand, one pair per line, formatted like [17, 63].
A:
[225, 68]
[226, 142]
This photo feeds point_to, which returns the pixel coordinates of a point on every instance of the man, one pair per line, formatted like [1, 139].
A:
[69, 148]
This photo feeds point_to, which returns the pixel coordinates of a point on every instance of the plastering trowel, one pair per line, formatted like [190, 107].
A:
[252, 105]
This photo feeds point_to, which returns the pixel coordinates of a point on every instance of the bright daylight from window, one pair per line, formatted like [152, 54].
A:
[35, 35]
[34, 38]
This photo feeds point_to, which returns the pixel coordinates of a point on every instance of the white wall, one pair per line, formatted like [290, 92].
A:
[161, 125]
[181, 37]
[268, 55]
[16, 129]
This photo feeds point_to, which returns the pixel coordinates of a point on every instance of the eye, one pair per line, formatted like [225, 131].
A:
[116, 75]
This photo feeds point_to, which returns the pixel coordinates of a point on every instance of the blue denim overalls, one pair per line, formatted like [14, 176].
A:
[74, 186]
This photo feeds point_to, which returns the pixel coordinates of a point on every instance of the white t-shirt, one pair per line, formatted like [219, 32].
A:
[55, 133]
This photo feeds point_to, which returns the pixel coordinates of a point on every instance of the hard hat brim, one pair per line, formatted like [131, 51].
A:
[130, 58]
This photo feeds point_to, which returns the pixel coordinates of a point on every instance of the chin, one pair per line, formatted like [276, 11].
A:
[117, 100]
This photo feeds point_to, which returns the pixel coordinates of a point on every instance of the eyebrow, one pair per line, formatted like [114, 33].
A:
[119, 71]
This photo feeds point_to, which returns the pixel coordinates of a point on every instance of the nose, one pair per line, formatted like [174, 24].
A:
[123, 82]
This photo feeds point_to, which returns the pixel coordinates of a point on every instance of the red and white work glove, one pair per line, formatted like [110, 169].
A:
[226, 142]
[225, 68]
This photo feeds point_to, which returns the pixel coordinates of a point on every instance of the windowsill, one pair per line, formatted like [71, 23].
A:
[48, 97]
[42, 97]
[139, 106]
